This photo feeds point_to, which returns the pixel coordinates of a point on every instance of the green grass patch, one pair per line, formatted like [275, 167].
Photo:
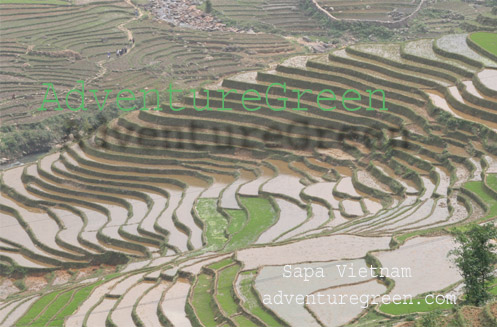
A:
[243, 321]
[238, 219]
[140, 2]
[253, 304]
[58, 308]
[478, 189]
[215, 223]
[371, 319]
[418, 305]
[220, 264]
[202, 300]
[111, 276]
[79, 297]
[53, 308]
[404, 237]
[486, 40]
[224, 296]
[492, 181]
[493, 286]
[261, 215]
[36, 308]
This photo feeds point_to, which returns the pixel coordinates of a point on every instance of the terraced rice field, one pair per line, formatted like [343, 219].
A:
[285, 16]
[383, 11]
[200, 222]
[63, 43]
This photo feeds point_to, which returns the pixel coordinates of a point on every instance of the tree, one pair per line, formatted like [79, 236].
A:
[475, 258]
[208, 6]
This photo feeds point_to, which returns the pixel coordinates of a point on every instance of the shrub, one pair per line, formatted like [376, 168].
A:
[20, 284]
[208, 6]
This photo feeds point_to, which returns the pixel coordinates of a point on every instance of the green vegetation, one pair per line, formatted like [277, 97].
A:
[54, 307]
[241, 320]
[58, 306]
[430, 320]
[19, 283]
[71, 306]
[475, 257]
[225, 288]
[37, 308]
[202, 300]
[122, 197]
[41, 136]
[491, 202]
[266, 16]
[261, 215]
[476, 187]
[418, 305]
[208, 6]
[361, 30]
[371, 319]
[220, 264]
[493, 289]
[215, 223]
[237, 220]
[253, 305]
[486, 40]
[40, 51]
[492, 181]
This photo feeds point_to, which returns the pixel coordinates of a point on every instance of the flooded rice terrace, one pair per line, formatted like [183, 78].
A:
[233, 216]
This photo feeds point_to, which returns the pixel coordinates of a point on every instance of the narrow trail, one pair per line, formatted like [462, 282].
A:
[129, 34]
[102, 70]
[122, 26]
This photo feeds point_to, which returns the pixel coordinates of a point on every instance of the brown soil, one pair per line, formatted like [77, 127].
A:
[86, 272]
[6, 288]
[493, 309]
[473, 315]
[61, 277]
[35, 283]
[405, 324]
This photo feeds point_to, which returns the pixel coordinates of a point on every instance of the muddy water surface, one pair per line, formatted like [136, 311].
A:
[324, 248]
[147, 307]
[18, 312]
[320, 215]
[324, 191]
[345, 186]
[122, 313]
[76, 319]
[352, 208]
[173, 304]
[290, 217]
[183, 212]
[176, 237]
[98, 315]
[338, 315]
[270, 282]
[431, 269]
[489, 78]
[252, 188]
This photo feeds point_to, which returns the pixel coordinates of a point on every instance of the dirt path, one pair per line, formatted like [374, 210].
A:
[101, 72]
[122, 26]
[129, 34]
